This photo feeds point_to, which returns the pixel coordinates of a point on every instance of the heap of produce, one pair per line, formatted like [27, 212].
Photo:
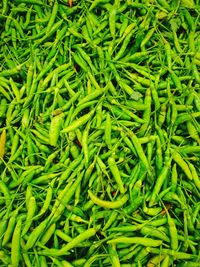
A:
[99, 133]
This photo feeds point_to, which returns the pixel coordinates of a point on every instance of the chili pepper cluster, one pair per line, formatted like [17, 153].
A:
[99, 133]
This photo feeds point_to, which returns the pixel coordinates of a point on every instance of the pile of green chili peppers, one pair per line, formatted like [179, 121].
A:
[99, 133]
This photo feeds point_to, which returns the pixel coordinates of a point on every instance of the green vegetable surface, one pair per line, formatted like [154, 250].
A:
[99, 133]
